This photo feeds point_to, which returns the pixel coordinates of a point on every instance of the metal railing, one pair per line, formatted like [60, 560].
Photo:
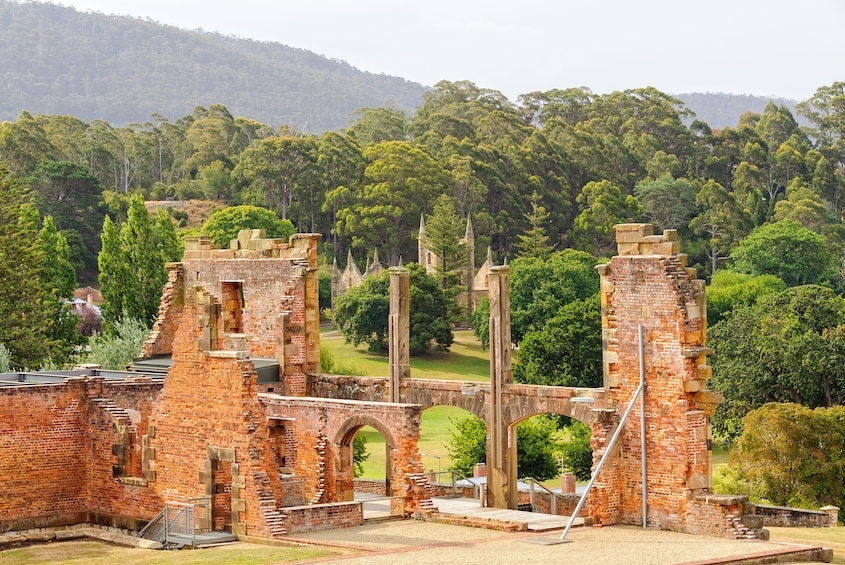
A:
[179, 519]
[553, 496]
[479, 489]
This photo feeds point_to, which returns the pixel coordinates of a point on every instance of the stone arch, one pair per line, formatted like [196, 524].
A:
[350, 427]
[345, 482]
[470, 396]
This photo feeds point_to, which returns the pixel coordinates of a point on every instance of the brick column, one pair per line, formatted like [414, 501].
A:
[501, 441]
[399, 331]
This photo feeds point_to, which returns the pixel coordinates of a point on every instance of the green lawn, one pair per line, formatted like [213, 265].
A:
[90, 552]
[833, 538]
[465, 361]
[434, 438]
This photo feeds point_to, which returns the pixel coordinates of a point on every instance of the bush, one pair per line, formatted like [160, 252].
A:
[793, 456]
[577, 453]
[330, 364]
[5, 359]
[116, 350]
[535, 446]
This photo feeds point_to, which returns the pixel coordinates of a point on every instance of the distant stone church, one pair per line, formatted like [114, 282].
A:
[474, 281]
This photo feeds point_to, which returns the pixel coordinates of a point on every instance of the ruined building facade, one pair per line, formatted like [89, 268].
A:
[245, 420]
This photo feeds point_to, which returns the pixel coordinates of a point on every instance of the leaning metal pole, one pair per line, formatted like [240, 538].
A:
[606, 454]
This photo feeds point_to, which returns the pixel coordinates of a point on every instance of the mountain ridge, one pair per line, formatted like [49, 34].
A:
[122, 69]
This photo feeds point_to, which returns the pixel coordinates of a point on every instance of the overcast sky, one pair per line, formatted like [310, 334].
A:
[763, 47]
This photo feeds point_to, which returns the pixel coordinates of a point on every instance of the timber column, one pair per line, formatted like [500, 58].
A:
[501, 440]
[399, 331]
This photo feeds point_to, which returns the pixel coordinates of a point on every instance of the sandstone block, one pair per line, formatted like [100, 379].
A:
[692, 386]
[698, 482]
[627, 233]
[627, 249]
[709, 397]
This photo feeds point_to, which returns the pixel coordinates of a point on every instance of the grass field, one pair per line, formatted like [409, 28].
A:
[97, 553]
[833, 538]
[465, 361]
[435, 433]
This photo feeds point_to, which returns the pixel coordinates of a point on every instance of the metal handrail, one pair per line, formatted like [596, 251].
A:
[478, 489]
[153, 528]
[178, 518]
[554, 495]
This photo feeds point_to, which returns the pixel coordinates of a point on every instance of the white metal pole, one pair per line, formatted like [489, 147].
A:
[642, 424]
[604, 457]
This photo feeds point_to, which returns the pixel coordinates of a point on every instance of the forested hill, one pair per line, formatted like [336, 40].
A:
[56, 60]
[723, 110]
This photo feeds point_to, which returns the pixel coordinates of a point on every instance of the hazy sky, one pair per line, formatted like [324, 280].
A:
[764, 47]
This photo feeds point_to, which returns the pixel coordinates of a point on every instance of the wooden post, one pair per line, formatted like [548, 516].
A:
[501, 446]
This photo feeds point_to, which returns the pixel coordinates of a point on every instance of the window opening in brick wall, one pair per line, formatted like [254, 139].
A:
[233, 307]
[222, 494]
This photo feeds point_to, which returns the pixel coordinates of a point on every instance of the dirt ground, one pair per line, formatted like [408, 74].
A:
[411, 542]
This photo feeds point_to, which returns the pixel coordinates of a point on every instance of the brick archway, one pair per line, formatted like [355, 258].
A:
[345, 466]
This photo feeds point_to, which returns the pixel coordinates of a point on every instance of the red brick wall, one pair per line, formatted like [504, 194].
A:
[109, 495]
[58, 458]
[320, 425]
[649, 285]
[211, 402]
[43, 452]
[324, 516]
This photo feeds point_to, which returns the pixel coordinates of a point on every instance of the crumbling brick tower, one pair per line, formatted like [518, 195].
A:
[648, 284]
[208, 434]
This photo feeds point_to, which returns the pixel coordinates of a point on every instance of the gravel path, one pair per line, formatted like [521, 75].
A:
[412, 542]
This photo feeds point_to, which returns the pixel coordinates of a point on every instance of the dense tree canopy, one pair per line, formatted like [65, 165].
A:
[536, 448]
[566, 350]
[788, 347]
[223, 226]
[792, 456]
[362, 313]
[132, 273]
[541, 287]
[24, 321]
[789, 251]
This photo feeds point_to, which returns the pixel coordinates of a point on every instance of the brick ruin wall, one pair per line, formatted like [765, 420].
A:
[89, 450]
[648, 284]
[271, 308]
[333, 424]
[62, 448]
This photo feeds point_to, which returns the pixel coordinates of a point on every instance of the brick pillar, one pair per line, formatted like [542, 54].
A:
[312, 320]
[501, 446]
[648, 284]
[399, 331]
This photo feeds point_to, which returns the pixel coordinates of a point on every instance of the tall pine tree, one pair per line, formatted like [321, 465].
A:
[24, 321]
[132, 273]
[59, 279]
[535, 242]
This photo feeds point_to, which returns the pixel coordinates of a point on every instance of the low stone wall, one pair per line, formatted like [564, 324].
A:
[723, 515]
[565, 504]
[372, 486]
[783, 516]
[323, 516]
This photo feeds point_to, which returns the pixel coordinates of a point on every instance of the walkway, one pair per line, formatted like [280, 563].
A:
[411, 542]
[374, 506]
[470, 508]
